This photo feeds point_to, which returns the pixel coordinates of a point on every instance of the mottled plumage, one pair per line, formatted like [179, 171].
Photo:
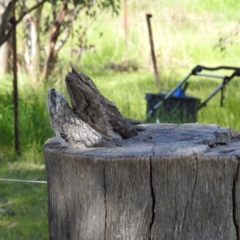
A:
[100, 113]
[71, 130]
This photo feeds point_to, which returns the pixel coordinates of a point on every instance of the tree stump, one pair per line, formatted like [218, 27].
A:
[169, 182]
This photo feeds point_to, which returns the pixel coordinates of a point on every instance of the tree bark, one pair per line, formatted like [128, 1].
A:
[51, 51]
[5, 52]
[5, 48]
[6, 29]
[169, 182]
[32, 51]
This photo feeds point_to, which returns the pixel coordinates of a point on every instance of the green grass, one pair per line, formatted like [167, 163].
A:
[27, 201]
[186, 33]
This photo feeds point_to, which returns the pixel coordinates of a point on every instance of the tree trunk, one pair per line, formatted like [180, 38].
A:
[5, 53]
[5, 48]
[169, 182]
[51, 50]
[32, 52]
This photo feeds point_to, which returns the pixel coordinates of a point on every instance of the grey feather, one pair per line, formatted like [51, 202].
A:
[69, 128]
[100, 113]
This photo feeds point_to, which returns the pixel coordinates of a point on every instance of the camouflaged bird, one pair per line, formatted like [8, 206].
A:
[96, 110]
[71, 130]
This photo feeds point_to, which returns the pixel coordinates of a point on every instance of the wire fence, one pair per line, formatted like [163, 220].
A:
[22, 181]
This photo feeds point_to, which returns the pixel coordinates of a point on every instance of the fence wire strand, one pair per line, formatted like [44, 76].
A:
[22, 181]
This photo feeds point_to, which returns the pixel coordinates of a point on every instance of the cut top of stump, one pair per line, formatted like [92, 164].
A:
[166, 140]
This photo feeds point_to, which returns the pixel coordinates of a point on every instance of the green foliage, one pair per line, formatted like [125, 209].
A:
[34, 126]
[113, 4]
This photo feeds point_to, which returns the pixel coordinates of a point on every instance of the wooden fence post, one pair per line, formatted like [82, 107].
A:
[169, 182]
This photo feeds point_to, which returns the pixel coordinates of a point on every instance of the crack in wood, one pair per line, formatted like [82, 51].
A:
[234, 199]
[64, 229]
[184, 217]
[151, 185]
[196, 177]
[105, 200]
[153, 199]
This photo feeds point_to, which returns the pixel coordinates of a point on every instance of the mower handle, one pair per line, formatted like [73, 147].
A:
[196, 71]
[199, 68]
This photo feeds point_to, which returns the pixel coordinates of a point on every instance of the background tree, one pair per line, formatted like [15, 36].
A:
[6, 25]
[56, 28]
[32, 56]
[59, 32]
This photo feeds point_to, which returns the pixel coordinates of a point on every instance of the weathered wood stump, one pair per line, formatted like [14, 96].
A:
[169, 182]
